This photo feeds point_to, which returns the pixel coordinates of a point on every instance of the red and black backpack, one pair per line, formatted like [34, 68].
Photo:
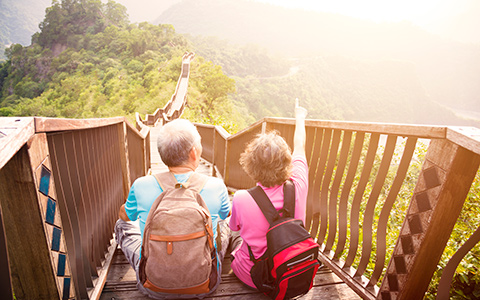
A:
[288, 266]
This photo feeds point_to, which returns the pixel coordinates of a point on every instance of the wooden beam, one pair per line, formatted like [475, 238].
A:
[15, 133]
[57, 124]
[404, 130]
[32, 272]
[467, 137]
[103, 273]
[5, 275]
[438, 198]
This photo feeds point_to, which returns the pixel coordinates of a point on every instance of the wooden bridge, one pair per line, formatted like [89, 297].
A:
[62, 182]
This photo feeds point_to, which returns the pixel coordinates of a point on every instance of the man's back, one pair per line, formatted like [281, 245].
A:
[145, 190]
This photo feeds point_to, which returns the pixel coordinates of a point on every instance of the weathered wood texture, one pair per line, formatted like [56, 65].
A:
[79, 174]
[439, 196]
[24, 230]
[5, 275]
[349, 163]
[156, 163]
[14, 133]
[121, 284]
[49, 209]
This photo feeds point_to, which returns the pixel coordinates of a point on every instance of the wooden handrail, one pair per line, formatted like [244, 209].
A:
[349, 166]
[62, 182]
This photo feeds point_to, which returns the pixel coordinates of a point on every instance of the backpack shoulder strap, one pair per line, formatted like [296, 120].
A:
[288, 209]
[196, 182]
[264, 203]
[266, 206]
[166, 180]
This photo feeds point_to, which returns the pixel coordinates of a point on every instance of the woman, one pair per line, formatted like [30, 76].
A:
[267, 159]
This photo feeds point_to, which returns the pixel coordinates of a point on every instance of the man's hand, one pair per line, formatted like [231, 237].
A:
[122, 214]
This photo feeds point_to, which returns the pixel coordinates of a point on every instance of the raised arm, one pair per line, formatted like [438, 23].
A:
[300, 136]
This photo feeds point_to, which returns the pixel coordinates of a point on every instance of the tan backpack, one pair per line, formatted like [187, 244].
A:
[178, 254]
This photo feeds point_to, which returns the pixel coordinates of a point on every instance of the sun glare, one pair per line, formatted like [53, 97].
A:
[416, 11]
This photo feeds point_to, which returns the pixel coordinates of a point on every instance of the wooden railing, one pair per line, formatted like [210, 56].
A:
[175, 106]
[62, 182]
[357, 174]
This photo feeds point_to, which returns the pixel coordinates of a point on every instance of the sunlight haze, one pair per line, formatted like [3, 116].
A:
[453, 19]
[383, 11]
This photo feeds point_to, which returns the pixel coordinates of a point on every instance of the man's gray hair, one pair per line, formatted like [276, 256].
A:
[175, 140]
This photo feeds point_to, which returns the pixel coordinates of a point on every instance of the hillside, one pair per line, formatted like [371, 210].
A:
[443, 73]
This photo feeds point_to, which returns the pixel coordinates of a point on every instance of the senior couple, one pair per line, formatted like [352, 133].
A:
[267, 159]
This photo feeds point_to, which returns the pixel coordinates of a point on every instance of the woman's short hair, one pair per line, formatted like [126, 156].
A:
[175, 140]
[267, 159]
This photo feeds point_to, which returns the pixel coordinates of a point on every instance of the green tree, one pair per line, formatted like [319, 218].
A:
[214, 86]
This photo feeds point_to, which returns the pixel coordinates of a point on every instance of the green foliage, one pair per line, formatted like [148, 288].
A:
[213, 85]
[66, 22]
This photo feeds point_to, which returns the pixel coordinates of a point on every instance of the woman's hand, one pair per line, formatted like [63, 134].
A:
[300, 112]
[299, 135]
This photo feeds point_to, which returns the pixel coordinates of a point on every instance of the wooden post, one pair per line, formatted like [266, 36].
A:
[214, 132]
[32, 272]
[50, 212]
[5, 275]
[122, 141]
[438, 198]
[226, 177]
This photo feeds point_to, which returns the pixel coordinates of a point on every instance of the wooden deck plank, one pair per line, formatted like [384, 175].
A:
[121, 284]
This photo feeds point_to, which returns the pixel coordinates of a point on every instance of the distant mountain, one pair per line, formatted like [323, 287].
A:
[448, 72]
[19, 20]
[331, 87]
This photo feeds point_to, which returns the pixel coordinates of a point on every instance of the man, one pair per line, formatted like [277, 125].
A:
[179, 146]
